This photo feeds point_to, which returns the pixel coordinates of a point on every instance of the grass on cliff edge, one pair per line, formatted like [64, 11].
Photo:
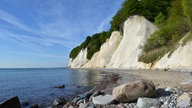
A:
[187, 38]
[172, 29]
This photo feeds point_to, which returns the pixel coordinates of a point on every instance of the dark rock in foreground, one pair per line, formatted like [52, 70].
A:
[11, 103]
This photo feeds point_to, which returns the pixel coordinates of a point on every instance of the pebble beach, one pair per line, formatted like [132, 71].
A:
[173, 90]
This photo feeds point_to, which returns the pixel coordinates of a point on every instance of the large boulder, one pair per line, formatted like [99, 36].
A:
[131, 91]
[11, 103]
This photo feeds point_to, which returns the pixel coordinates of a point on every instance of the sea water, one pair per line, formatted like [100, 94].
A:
[38, 85]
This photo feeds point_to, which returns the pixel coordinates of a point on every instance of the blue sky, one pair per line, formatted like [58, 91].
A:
[41, 33]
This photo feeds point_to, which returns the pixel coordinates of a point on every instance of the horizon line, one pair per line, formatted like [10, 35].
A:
[32, 68]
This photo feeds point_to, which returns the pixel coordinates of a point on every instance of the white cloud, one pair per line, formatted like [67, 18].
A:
[48, 36]
[14, 21]
[39, 55]
[32, 41]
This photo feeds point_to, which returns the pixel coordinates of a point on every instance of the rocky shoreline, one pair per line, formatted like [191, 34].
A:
[169, 97]
[102, 96]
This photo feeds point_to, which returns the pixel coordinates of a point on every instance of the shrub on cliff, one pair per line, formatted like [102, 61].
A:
[171, 30]
[129, 7]
[74, 52]
[147, 8]
[95, 43]
[187, 10]
[157, 40]
[92, 44]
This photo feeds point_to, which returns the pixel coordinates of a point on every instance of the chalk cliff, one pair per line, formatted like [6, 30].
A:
[123, 50]
[181, 58]
[103, 57]
[80, 60]
[136, 30]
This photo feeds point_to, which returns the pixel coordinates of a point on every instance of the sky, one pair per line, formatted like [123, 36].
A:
[41, 33]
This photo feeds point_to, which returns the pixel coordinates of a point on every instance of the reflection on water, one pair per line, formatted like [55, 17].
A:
[84, 77]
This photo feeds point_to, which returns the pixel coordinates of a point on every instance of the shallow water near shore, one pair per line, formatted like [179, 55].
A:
[37, 85]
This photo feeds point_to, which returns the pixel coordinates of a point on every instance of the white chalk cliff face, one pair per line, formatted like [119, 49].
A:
[119, 51]
[80, 60]
[136, 30]
[123, 51]
[103, 57]
[180, 59]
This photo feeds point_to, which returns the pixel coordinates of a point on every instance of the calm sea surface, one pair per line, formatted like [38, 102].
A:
[37, 85]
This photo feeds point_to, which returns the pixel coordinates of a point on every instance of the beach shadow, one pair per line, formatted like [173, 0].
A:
[162, 93]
